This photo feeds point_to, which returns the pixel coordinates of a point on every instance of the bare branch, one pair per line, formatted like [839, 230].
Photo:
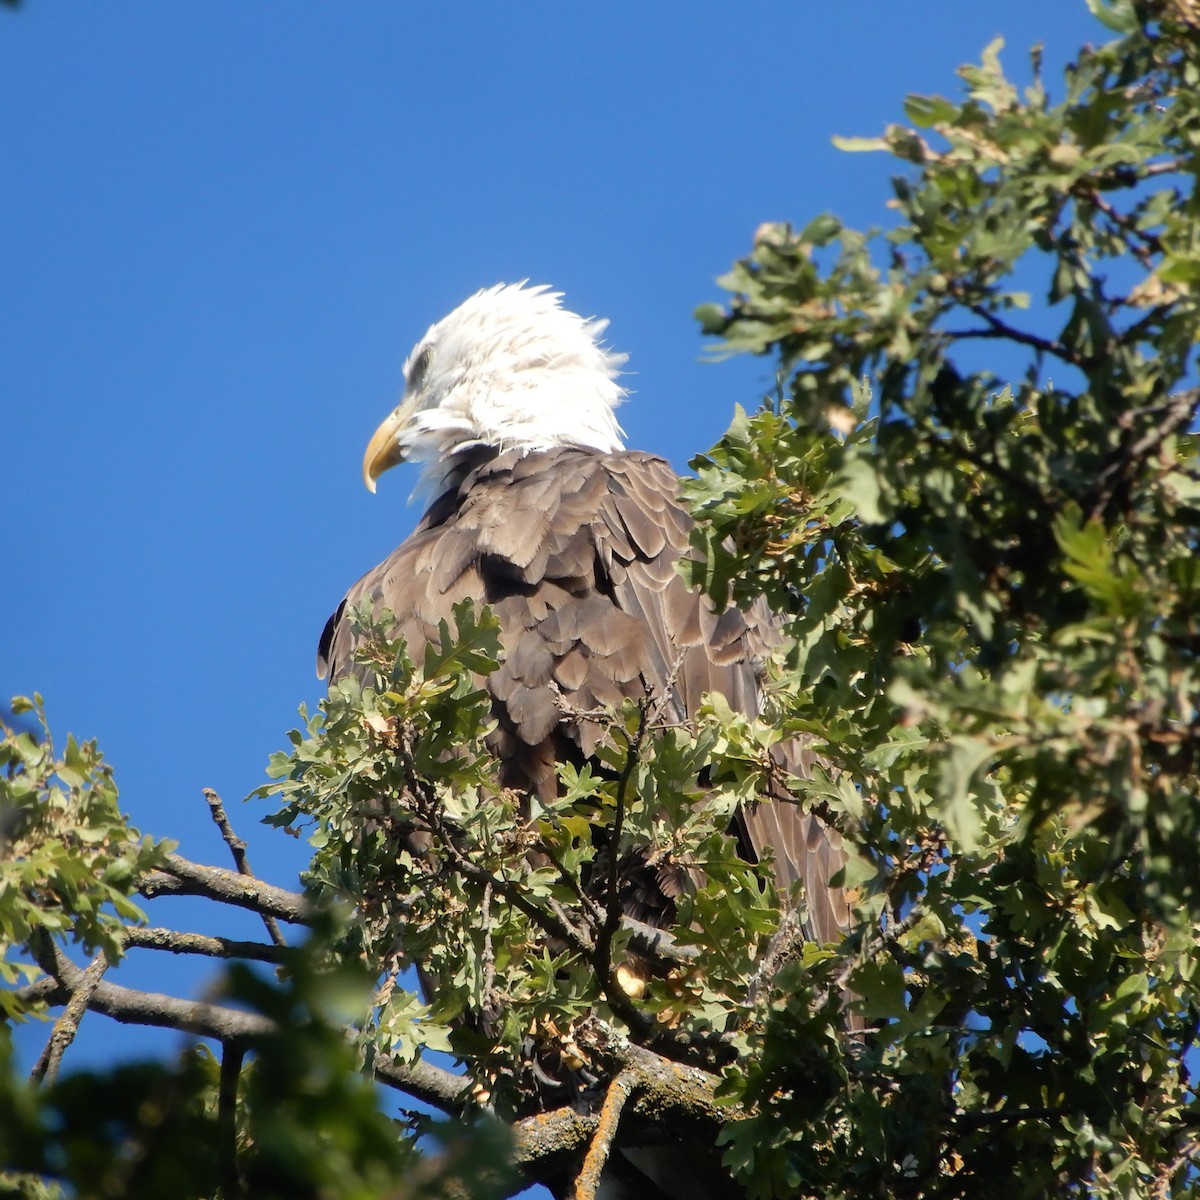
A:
[437, 1087]
[434, 1085]
[67, 1025]
[664, 1086]
[546, 1141]
[199, 943]
[664, 1100]
[587, 1182]
[132, 1007]
[185, 878]
[1000, 328]
[237, 847]
[658, 943]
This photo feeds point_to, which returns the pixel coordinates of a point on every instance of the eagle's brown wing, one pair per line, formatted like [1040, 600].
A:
[577, 552]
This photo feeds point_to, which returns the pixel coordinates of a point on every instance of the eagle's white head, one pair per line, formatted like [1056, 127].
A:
[509, 368]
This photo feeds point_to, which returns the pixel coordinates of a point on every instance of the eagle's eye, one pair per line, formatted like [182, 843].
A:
[420, 365]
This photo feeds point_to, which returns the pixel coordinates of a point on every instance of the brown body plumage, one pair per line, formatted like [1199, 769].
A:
[577, 550]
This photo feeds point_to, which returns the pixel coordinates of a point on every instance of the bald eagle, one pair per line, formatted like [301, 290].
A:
[537, 509]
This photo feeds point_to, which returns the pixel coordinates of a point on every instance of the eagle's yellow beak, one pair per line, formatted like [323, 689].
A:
[383, 451]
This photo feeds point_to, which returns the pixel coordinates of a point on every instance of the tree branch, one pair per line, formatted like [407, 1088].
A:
[612, 918]
[1165, 419]
[433, 1085]
[587, 1181]
[658, 943]
[132, 1007]
[182, 877]
[664, 1100]
[199, 943]
[780, 949]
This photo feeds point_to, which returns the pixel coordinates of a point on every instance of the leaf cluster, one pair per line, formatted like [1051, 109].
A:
[991, 587]
[69, 859]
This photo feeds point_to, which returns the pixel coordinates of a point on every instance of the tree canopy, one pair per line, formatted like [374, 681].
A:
[974, 500]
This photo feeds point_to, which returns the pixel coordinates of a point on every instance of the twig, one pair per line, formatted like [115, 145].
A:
[591, 910]
[237, 847]
[612, 919]
[432, 814]
[555, 922]
[489, 956]
[1002, 329]
[553, 925]
[1150, 243]
[1168, 167]
[587, 1181]
[1166, 418]
[67, 1025]
[1185, 1156]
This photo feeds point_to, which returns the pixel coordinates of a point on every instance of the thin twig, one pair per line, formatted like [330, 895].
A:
[1165, 419]
[511, 892]
[612, 918]
[591, 910]
[237, 847]
[489, 956]
[1169, 167]
[1024, 337]
[67, 1025]
[587, 1181]
[1150, 243]
[1185, 1156]
[433, 815]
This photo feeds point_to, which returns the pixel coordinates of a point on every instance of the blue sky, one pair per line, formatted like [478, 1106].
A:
[224, 225]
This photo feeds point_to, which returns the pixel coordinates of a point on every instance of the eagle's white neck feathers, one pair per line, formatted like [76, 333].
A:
[513, 369]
